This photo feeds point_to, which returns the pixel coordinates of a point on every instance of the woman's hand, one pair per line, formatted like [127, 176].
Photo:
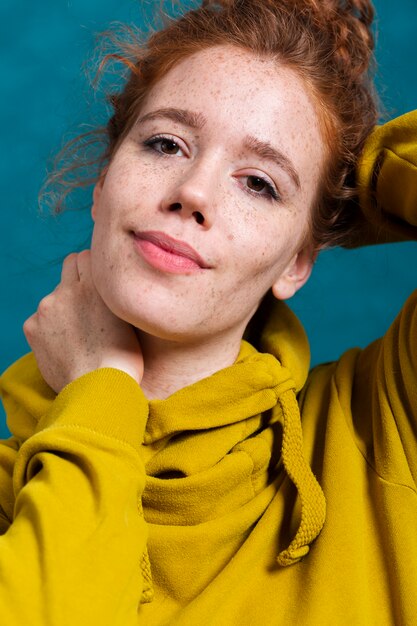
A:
[73, 332]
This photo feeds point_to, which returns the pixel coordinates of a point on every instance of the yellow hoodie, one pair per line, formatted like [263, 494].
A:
[213, 507]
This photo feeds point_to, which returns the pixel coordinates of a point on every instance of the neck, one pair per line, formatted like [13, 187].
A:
[172, 365]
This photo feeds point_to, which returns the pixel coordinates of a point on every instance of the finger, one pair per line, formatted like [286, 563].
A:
[69, 273]
[84, 265]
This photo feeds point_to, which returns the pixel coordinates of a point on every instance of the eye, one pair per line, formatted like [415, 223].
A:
[258, 186]
[164, 145]
[256, 183]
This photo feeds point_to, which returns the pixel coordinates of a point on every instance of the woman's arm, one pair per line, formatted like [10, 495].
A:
[385, 392]
[75, 548]
[387, 179]
[74, 542]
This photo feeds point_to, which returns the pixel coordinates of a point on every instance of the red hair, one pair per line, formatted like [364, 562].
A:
[328, 43]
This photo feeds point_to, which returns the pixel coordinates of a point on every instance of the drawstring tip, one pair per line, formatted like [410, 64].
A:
[289, 557]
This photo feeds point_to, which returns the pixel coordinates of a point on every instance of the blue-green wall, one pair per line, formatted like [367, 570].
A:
[352, 296]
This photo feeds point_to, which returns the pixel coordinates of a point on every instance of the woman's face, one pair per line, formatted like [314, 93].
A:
[206, 203]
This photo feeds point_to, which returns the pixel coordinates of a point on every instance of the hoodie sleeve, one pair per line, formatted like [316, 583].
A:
[387, 181]
[386, 372]
[74, 544]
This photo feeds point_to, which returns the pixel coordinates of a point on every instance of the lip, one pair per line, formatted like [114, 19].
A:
[164, 252]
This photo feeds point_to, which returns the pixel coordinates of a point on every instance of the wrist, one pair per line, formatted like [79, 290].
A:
[119, 363]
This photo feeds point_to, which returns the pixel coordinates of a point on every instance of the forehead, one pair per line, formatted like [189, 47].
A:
[229, 76]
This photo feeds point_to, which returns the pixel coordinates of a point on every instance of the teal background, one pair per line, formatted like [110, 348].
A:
[352, 296]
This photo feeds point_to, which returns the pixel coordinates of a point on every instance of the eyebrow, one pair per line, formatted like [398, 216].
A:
[263, 149]
[182, 116]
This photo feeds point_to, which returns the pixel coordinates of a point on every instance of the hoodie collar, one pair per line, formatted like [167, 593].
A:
[191, 436]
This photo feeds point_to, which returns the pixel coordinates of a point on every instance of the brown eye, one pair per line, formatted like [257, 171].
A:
[168, 146]
[255, 183]
[258, 186]
[164, 146]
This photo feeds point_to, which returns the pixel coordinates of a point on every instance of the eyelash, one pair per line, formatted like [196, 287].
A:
[273, 195]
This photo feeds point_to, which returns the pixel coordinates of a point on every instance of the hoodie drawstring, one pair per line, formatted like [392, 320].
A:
[313, 503]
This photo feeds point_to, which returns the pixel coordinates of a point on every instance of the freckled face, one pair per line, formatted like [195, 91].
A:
[225, 157]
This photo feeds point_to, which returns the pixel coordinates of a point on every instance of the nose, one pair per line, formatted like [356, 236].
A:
[192, 196]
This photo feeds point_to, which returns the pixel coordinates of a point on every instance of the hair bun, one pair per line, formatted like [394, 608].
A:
[346, 22]
[350, 23]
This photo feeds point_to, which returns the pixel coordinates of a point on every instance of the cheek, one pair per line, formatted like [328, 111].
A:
[129, 179]
[258, 240]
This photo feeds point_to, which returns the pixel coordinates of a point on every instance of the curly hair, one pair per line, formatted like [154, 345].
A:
[329, 43]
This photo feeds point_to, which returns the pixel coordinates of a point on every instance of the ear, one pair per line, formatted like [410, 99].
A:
[97, 193]
[295, 275]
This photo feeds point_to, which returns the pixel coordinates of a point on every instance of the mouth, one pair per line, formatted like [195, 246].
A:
[168, 254]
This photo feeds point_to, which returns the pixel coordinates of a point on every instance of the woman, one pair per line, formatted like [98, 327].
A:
[158, 473]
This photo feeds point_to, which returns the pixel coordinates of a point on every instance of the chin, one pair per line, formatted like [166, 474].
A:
[157, 319]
